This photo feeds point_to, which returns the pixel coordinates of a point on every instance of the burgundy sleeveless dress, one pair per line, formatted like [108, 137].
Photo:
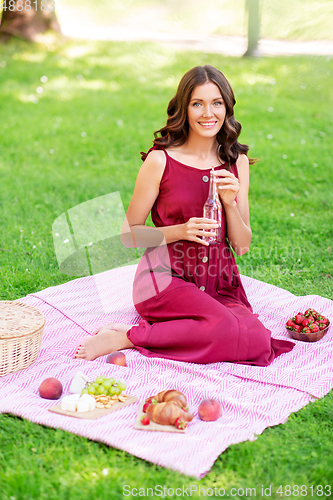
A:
[190, 297]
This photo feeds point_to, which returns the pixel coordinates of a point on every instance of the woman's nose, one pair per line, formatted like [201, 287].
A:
[207, 111]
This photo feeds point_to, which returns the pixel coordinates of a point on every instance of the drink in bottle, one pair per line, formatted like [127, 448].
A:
[213, 210]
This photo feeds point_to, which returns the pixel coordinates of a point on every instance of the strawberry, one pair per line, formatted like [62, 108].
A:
[181, 423]
[308, 330]
[145, 406]
[314, 328]
[290, 323]
[297, 328]
[151, 401]
[145, 420]
[299, 318]
[305, 322]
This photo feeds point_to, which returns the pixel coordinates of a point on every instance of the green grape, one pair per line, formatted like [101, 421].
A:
[100, 390]
[91, 389]
[100, 379]
[106, 384]
[112, 380]
[121, 385]
[116, 390]
[84, 391]
[95, 384]
[112, 390]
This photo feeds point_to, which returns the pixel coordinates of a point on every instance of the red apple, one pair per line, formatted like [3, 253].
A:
[50, 388]
[209, 410]
[117, 358]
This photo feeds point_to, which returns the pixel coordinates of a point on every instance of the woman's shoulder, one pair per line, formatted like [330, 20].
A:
[242, 166]
[154, 165]
[156, 158]
[242, 162]
[157, 155]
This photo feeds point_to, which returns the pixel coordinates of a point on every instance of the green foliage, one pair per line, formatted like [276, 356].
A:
[117, 95]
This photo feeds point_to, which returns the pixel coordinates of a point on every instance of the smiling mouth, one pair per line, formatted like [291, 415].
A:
[207, 124]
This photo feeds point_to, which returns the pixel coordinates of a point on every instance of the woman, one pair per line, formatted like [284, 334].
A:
[188, 292]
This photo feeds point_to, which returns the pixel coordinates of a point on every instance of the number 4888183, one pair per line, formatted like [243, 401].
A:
[26, 5]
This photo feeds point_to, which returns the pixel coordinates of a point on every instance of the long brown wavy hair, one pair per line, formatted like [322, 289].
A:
[176, 129]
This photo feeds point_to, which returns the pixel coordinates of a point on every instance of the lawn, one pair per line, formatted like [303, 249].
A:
[78, 137]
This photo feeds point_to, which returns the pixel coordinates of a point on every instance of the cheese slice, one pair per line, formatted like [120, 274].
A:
[75, 402]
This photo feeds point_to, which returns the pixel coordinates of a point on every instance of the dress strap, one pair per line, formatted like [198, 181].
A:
[155, 147]
[234, 170]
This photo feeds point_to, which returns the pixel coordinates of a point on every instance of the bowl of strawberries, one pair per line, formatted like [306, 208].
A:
[309, 326]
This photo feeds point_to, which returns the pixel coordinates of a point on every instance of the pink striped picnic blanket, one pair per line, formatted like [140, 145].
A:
[253, 398]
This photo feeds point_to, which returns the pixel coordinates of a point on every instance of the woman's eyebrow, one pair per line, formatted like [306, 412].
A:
[215, 99]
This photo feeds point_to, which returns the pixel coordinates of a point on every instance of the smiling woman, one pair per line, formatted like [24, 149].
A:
[188, 292]
[206, 111]
[206, 86]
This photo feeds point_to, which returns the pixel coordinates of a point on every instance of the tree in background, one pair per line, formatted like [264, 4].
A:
[253, 36]
[27, 18]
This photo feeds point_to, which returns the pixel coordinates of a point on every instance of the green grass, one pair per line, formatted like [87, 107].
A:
[117, 94]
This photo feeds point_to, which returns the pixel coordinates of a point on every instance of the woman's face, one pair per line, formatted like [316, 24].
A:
[206, 110]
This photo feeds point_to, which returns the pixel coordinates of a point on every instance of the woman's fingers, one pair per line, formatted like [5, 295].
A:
[233, 187]
[224, 173]
[226, 178]
[199, 227]
[202, 220]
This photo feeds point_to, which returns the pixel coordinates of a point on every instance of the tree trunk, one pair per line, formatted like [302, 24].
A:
[23, 23]
[253, 37]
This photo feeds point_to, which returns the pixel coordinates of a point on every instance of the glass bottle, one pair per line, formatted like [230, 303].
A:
[213, 210]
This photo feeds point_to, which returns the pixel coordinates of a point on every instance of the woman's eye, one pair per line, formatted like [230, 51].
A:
[218, 103]
[196, 104]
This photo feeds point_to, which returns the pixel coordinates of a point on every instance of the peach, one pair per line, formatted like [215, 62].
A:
[117, 358]
[50, 388]
[210, 410]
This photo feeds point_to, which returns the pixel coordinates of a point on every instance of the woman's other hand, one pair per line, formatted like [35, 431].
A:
[197, 227]
[227, 186]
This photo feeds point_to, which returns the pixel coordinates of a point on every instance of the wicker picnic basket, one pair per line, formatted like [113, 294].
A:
[21, 332]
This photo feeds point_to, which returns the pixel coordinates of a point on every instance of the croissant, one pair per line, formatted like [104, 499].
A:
[176, 397]
[167, 413]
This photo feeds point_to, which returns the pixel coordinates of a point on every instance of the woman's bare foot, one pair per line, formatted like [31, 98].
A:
[104, 342]
[120, 327]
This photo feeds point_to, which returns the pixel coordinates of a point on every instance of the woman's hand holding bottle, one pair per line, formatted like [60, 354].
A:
[197, 227]
[227, 186]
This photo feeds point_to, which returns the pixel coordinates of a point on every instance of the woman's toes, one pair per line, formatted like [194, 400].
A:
[80, 352]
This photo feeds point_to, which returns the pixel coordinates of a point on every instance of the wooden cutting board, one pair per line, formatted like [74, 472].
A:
[152, 426]
[97, 413]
